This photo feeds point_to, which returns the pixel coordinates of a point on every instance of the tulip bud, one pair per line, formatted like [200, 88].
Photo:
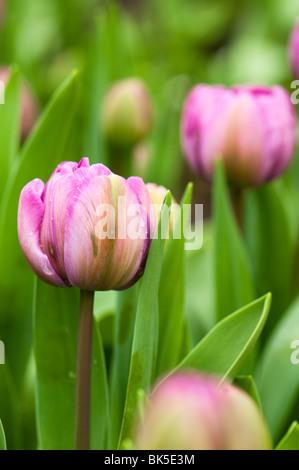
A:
[294, 50]
[158, 194]
[127, 113]
[253, 130]
[81, 228]
[189, 411]
[29, 108]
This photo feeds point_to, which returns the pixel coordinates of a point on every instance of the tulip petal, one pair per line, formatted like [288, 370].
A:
[92, 261]
[30, 214]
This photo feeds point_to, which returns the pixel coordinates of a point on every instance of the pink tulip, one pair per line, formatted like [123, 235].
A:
[253, 130]
[294, 50]
[28, 105]
[158, 194]
[190, 411]
[61, 231]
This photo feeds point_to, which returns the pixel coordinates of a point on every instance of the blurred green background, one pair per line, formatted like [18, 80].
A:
[170, 44]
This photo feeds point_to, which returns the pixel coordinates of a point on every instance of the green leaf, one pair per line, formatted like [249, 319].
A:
[9, 127]
[124, 329]
[291, 440]
[2, 437]
[100, 414]
[200, 298]
[246, 383]
[171, 295]
[42, 153]
[55, 346]
[144, 349]
[9, 412]
[267, 224]
[277, 375]
[225, 348]
[233, 277]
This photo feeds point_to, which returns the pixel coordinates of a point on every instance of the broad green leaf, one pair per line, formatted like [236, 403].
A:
[42, 153]
[267, 224]
[55, 346]
[277, 374]
[100, 414]
[124, 329]
[2, 438]
[144, 348]
[246, 383]
[171, 295]
[225, 348]
[9, 127]
[291, 440]
[233, 277]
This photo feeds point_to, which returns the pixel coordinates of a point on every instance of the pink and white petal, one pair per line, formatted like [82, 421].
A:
[94, 261]
[85, 256]
[30, 215]
[60, 189]
[130, 252]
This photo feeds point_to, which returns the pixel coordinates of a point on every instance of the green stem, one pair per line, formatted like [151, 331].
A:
[83, 381]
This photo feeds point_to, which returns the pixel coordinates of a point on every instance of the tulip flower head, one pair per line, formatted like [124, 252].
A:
[253, 130]
[127, 113]
[74, 229]
[29, 107]
[158, 194]
[294, 50]
[189, 411]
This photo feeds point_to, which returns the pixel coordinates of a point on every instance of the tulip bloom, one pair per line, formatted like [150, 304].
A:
[158, 194]
[189, 411]
[294, 50]
[253, 130]
[60, 227]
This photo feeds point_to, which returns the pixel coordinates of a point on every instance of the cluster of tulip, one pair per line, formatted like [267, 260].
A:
[253, 131]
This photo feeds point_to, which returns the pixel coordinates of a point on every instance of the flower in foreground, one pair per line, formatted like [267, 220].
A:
[190, 411]
[294, 49]
[252, 129]
[127, 113]
[63, 227]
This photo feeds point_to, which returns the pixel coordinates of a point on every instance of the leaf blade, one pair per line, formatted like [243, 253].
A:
[232, 339]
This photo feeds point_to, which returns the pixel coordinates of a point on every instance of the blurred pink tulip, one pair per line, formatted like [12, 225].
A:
[29, 107]
[253, 130]
[64, 227]
[294, 50]
[190, 411]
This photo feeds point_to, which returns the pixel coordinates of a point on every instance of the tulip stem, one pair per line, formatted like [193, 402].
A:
[83, 381]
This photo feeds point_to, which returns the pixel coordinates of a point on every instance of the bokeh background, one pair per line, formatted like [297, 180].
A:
[170, 44]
